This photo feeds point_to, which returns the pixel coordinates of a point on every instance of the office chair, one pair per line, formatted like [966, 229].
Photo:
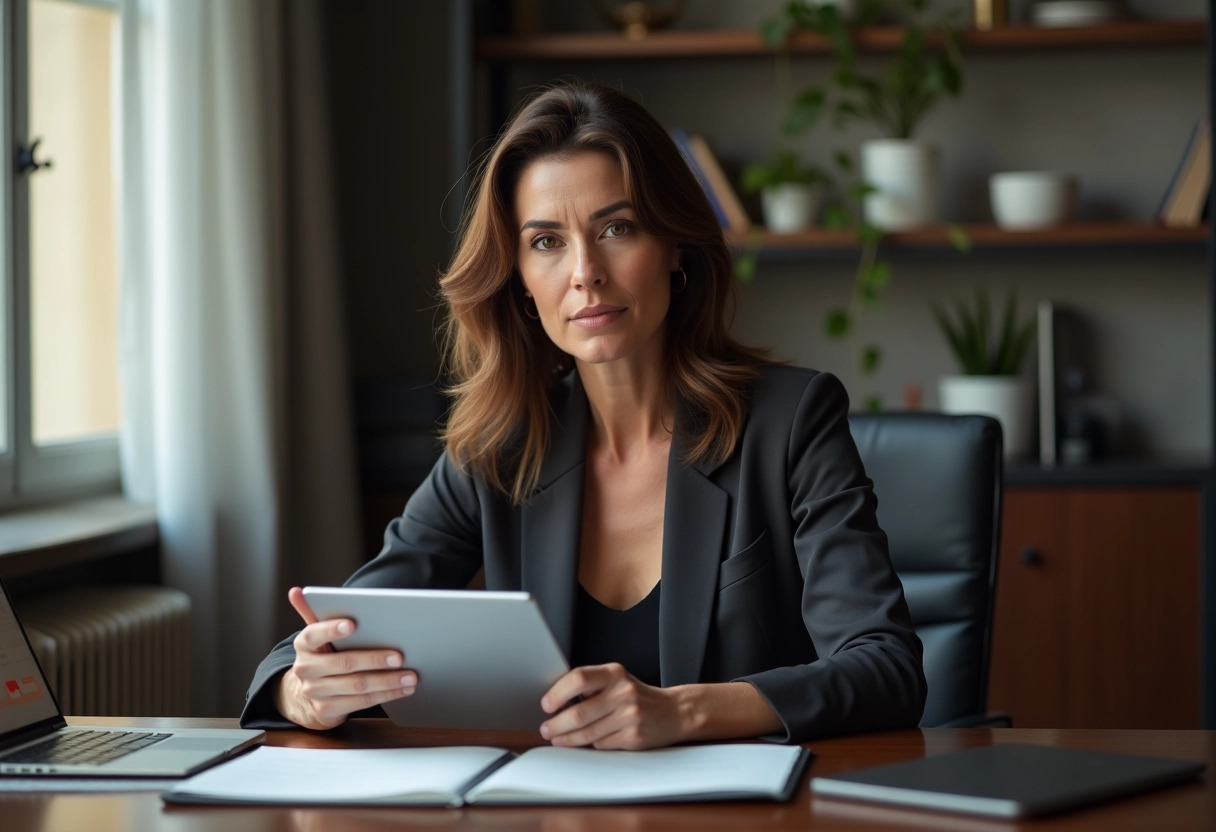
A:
[938, 482]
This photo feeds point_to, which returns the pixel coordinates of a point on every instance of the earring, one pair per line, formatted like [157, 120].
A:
[684, 282]
[533, 316]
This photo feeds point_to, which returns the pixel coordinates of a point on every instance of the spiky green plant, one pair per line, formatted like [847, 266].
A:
[979, 349]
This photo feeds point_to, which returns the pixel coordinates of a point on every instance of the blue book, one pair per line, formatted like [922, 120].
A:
[680, 137]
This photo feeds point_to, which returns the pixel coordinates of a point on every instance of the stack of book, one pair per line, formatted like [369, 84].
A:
[704, 166]
[1187, 196]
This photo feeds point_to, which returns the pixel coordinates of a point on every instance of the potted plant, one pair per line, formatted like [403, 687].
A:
[926, 66]
[788, 190]
[990, 360]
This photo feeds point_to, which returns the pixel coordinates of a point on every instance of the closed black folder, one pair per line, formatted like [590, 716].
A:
[1009, 780]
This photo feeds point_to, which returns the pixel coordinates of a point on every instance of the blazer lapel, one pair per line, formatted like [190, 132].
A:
[694, 531]
[551, 521]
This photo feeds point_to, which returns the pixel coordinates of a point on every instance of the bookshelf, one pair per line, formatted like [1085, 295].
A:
[983, 236]
[1122, 264]
[563, 47]
[746, 43]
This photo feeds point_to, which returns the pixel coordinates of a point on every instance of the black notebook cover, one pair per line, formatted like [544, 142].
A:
[1009, 781]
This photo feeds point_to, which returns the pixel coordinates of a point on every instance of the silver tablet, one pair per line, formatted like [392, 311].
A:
[483, 659]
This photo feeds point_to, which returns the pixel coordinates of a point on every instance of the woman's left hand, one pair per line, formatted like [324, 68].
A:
[615, 711]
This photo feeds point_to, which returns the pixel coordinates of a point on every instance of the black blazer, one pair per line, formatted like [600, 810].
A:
[775, 571]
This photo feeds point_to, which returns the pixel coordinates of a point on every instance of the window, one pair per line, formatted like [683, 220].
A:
[59, 415]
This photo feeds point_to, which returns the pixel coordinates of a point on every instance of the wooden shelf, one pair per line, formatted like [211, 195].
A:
[1075, 235]
[747, 43]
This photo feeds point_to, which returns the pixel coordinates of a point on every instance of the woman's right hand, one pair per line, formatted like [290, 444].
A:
[323, 687]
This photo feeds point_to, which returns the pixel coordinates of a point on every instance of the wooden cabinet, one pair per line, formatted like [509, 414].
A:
[1097, 610]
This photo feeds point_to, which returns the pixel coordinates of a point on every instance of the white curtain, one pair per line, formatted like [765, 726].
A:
[236, 417]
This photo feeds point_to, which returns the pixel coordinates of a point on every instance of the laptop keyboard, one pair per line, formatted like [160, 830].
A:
[85, 747]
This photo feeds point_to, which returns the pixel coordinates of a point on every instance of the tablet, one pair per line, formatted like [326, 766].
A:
[483, 659]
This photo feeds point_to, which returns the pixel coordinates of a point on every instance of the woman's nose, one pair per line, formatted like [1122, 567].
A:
[588, 270]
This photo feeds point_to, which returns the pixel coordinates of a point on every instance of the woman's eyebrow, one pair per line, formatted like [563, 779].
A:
[552, 225]
[605, 211]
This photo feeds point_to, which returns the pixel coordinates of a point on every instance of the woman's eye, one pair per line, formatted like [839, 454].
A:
[617, 229]
[546, 243]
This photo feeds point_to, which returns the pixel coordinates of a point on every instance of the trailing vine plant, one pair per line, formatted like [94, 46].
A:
[917, 77]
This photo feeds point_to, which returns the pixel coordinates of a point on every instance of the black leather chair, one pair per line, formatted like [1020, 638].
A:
[938, 481]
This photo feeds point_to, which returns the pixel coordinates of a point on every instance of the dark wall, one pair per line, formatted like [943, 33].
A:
[388, 70]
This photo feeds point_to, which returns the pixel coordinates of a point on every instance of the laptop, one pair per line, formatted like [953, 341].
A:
[1009, 780]
[35, 739]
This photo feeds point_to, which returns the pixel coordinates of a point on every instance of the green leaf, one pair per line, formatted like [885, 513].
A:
[952, 334]
[844, 160]
[869, 235]
[958, 238]
[776, 31]
[983, 327]
[873, 403]
[745, 267]
[1004, 339]
[805, 110]
[847, 111]
[835, 217]
[878, 276]
[871, 357]
[837, 323]
[781, 167]
[861, 190]
[972, 354]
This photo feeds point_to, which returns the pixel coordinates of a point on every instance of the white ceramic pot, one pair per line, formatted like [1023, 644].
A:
[1026, 200]
[1008, 399]
[905, 176]
[788, 208]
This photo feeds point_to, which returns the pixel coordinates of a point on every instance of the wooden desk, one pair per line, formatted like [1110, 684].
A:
[1191, 806]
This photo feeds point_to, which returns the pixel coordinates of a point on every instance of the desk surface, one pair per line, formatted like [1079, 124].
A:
[1191, 806]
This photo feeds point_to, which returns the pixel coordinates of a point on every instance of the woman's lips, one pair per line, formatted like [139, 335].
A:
[597, 316]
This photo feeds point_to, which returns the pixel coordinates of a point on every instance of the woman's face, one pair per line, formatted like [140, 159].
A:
[602, 285]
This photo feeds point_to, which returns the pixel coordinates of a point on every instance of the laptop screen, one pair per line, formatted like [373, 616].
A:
[25, 698]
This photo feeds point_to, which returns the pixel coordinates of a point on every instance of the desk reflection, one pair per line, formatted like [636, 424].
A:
[535, 819]
[867, 816]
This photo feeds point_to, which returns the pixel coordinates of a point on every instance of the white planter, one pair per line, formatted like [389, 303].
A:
[1008, 399]
[905, 176]
[1026, 200]
[789, 207]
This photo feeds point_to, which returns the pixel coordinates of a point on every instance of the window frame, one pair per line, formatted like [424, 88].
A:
[30, 473]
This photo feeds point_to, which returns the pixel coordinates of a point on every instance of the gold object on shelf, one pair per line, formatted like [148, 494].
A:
[636, 18]
[989, 14]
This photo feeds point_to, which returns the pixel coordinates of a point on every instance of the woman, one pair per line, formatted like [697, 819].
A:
[693, 519]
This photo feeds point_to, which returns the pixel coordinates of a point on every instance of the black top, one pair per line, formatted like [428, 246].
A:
[631, 637]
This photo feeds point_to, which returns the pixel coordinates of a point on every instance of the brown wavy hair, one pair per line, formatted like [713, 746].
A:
[503, 364]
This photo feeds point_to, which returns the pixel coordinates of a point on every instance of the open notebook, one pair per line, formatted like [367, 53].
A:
[474, 774]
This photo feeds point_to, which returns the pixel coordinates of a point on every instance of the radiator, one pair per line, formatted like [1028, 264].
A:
[113, 650]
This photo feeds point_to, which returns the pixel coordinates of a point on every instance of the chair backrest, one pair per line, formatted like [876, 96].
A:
[938, 482]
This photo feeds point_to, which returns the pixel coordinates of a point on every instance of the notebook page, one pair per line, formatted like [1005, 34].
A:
[313, 775]
[580, 774]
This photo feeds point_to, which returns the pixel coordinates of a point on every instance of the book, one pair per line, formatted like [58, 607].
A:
[732, 207]
[1187, 195]
[1182, 160]
[683, 142]
[480, 775]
